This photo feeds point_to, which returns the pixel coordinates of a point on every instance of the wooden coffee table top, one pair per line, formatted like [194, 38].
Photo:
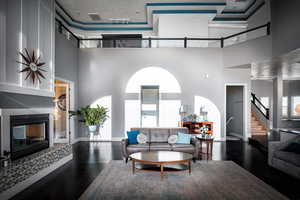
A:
[161, 157]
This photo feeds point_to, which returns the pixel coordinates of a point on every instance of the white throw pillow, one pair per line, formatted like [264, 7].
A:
[172, 139]
[142, 138]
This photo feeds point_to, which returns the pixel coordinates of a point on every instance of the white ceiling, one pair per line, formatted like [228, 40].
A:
[134, 10]
[288, 66]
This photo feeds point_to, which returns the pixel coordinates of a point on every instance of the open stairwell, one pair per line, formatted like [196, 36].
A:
[259, 135]
[256, 127]
[260, 116]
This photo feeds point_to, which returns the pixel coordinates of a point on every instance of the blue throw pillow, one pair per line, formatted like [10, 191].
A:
[132, 136]
[183, 138]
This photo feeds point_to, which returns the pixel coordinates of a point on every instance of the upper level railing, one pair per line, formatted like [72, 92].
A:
[260, 106]
[157, 42]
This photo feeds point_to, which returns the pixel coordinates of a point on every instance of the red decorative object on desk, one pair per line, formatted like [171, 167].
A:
[194, 127]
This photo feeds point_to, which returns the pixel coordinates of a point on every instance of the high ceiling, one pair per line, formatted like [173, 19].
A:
[133, 10]
[288, 66]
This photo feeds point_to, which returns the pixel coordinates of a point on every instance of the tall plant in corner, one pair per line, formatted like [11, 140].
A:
[93, 118]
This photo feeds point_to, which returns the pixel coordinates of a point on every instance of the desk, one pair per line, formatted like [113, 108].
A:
[194, 127]
[209, 145]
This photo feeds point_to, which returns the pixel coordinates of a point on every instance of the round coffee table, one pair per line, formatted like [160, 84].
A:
[161, 158]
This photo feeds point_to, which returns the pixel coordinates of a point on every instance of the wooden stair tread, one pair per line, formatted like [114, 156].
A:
[257, 129]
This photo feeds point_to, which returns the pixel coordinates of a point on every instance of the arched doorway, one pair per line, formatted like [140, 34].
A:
[214, 114]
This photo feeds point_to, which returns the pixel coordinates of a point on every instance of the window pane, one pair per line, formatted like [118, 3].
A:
[284, 106]
[295, 106]
[149, 121]
[149, 107]
[169, 113]
[265, 101]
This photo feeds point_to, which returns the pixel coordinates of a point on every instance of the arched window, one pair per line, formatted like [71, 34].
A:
[153, 76]
[155, 79]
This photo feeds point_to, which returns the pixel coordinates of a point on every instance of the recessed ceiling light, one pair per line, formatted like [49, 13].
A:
[94, 16]
[120, 20]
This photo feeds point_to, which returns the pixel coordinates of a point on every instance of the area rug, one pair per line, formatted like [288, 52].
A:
[209, 180]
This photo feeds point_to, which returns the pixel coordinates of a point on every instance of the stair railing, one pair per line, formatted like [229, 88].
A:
[260, 106]
[229, 120]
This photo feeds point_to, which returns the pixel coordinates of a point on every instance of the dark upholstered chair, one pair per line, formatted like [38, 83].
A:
[279, 158]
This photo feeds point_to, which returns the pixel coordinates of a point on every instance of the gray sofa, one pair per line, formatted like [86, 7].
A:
[287, 162]
[158, 141]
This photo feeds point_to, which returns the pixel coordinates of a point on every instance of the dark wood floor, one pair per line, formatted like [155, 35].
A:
[70, 181]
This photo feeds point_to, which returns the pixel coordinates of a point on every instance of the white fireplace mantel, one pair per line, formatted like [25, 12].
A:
[5, 123]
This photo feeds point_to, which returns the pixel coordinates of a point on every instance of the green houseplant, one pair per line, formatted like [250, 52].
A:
[193, 117]
[93, 118]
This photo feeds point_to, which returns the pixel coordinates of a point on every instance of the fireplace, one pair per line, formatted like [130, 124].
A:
[28, 134]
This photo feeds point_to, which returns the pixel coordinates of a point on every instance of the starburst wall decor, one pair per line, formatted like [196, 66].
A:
[33, 66]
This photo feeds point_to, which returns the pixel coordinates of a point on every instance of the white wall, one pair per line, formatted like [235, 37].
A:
[3, 14]
[66, 66]
[285, 26]
[184, 25]
[245, 53]
[263, 88]
[105, 72]
[261, 17]
[26, 24]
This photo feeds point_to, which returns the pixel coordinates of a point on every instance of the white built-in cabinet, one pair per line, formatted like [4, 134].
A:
[26, 24]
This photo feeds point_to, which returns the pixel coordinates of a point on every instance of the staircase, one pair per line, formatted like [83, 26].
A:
[256, 127]
[259, 135]
[259, 132]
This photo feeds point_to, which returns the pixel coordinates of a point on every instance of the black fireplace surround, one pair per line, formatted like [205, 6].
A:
[28, 134]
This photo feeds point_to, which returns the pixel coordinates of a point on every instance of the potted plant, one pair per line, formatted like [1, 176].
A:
[193, 117]
[93, 118]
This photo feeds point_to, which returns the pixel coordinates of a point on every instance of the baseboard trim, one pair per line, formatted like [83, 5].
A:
[85, 139]
[117, 139]
[75, 140]
[7, 194]
[237, 135]
[220, 140]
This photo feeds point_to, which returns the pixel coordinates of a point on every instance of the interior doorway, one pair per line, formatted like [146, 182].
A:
[235, 112]
[64, 102]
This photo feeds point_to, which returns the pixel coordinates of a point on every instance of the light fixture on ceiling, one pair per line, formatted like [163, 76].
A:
[94, 16]
[119, 20]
